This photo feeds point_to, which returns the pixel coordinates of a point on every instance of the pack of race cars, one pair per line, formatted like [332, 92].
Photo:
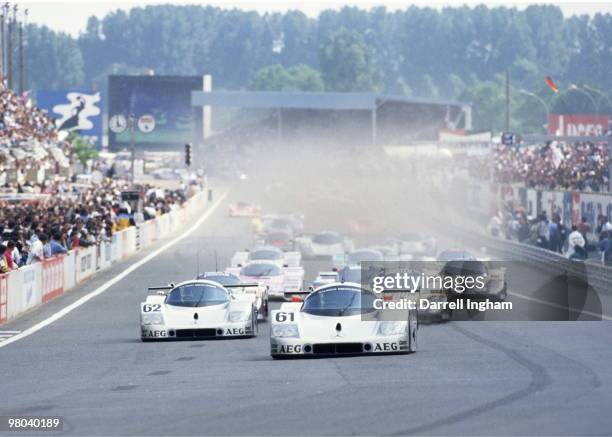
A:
[335, 315]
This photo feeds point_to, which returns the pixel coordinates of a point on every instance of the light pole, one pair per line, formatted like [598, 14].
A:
[539, 99]
[132, 128]
[574, 87]
[601, 93]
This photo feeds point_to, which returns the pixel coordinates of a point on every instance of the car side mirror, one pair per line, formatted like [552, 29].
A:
[310, 288]
[171, 284]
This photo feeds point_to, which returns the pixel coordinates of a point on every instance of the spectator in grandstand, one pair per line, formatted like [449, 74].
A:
[3, 264]
[56, 245]
[11, 260]
[36, 252]
[556, 165]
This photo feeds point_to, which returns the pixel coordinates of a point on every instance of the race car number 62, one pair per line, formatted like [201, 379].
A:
[151, 308]
[282, 317]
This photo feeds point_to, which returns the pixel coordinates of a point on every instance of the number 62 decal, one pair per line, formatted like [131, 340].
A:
[148, 308]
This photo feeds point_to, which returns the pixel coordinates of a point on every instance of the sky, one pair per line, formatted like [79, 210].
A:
[71, 16]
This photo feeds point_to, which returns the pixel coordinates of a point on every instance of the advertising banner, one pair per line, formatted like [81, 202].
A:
[74, 110]
[578, 124]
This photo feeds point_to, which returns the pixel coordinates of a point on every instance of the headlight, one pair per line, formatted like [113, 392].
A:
[285, 331]
[239, 316]
[152, 319]
[391, 328]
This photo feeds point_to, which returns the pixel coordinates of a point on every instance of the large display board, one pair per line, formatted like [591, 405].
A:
[167, 99]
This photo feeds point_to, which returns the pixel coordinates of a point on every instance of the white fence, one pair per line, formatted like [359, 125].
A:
[36, 284]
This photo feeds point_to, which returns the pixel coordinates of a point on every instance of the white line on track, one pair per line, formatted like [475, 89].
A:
[101, 289]
[554, 305]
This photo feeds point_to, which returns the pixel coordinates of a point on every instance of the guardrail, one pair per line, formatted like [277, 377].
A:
[37, 284]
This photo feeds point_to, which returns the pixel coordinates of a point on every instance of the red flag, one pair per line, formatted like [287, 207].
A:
[551, 84]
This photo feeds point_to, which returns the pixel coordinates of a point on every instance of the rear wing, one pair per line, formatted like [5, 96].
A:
[301, 294]
[162, 291]
[242, 285]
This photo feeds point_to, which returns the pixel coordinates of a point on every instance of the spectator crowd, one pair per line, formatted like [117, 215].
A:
[556, 165]
[68, 216]
[28, 137]
[573, 241]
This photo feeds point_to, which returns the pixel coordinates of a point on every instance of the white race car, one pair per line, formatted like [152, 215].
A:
[267, 253]
[197, 309]
[339, 319]
[278, 280]
[324, 245]
[244, 209]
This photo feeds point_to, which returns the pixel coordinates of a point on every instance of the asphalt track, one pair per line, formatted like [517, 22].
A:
[484, 378]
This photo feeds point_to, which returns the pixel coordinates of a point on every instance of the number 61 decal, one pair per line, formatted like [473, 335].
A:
[282, 317]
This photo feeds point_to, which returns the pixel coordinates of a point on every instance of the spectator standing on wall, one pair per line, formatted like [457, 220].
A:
[574, 240]
[543, 233]
[584, 228]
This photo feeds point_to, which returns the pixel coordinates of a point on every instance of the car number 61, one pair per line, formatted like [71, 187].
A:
[282, 317]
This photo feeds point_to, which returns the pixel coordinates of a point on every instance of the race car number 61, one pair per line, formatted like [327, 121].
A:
[282, 317]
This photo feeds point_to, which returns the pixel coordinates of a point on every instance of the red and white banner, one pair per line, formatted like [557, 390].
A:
[52, 278]
[578, 125]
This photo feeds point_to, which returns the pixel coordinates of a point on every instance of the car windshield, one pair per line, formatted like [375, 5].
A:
[364, 255]
[327, 238]
[272, 254]
[223, 279]
[263, 269]
[339, 302]
[197, 295]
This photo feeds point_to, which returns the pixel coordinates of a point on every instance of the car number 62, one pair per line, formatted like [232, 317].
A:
[151, 308]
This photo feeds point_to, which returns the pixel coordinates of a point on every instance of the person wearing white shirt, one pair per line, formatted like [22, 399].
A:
[574, 239]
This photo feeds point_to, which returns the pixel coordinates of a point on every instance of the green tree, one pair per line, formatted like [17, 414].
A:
[347, 63]
[277, 78]
[82, 148]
